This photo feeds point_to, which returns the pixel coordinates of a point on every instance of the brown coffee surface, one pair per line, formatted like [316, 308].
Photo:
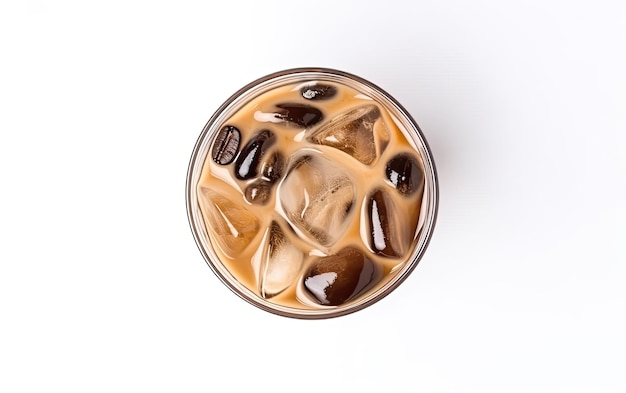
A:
[311, 195]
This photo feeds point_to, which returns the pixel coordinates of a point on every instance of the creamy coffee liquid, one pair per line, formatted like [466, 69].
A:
[311, 195]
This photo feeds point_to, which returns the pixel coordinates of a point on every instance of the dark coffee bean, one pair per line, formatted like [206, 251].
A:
[335, 279]
[258, 192]
[405, 173]
[384, 236]
[226, 145]
[318, 92]
[247, 164]
[299, 114]
[273, 167]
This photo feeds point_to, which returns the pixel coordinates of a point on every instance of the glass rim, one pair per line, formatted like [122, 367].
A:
[331, 312]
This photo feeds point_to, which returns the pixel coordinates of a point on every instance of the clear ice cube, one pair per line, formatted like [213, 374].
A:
[233, 227]
[360, 132]
[280, 262]
[317, 197]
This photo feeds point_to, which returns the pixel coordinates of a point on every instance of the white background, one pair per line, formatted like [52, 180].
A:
[102, 288]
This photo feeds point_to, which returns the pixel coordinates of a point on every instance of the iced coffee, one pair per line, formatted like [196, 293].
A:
[314, 195]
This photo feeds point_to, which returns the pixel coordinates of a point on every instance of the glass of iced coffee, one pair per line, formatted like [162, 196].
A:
[312, 193]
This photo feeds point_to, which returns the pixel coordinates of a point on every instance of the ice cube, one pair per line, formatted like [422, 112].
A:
[281, 262]
[388, 233]
[317, 197]
[360, 132]
[335, 279]
[232, 226]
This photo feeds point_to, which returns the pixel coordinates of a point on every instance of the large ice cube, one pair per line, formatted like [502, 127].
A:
[233, 227]
[360, 132]
[280, 262]
[317, 197]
